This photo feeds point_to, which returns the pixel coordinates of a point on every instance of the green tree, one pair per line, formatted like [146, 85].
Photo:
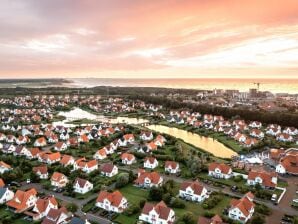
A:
[72, 207]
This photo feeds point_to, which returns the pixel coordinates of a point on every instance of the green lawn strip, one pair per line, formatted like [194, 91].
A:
[198, 210]
[134, 195]
[227, 182]
[87, 207]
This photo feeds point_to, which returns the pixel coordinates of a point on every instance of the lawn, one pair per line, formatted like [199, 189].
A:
[135, 195]
[227, 182]
[231, 143]
[197, 209]
[87, 207]
[5, 214]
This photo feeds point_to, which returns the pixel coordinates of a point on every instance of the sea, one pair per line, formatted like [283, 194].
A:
[273, 85]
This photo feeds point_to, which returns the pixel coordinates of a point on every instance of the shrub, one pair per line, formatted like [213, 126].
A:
[132, 209]
[177, 203]
[263, 209]
[238, 178]
[188, 218]
[72, 207]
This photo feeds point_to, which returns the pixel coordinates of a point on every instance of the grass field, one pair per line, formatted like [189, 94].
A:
[134, 195]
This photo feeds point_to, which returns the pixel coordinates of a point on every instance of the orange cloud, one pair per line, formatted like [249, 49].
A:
[218, 38]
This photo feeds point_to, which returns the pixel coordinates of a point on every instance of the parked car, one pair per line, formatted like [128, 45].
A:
[234, 188]
[58, 190]
[274, 197]
[14, 183]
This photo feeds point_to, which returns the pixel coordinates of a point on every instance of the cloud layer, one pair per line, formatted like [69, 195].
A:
[149, 39]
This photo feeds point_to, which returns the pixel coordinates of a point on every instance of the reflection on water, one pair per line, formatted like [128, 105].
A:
[78, 114]
[205, 143]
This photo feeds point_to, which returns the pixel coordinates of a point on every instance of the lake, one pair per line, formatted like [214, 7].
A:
[208, 144]
[78, 114]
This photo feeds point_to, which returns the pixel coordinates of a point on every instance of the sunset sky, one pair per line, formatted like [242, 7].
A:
[149, 39]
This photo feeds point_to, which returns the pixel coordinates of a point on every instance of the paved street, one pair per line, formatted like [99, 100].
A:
[79, 202]
[277, 210]
[283, 207]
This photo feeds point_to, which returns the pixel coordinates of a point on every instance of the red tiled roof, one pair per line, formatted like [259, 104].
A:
[195, 186]
[65, 159]
[20, 198]
[114, 198]
[2, 184]
[265, 176]
[107, 167]
[40, 169]
[153, 176]
[150, 159]
[223, 167]
[161, 209]
[171, 164]
[243, 204]
[127, 156]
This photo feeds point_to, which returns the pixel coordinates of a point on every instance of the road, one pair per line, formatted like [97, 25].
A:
[282, 208]
[277, 210]
[79, 202]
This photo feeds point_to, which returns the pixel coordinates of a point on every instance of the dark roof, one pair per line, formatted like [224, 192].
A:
[76, 220]
[2, 191]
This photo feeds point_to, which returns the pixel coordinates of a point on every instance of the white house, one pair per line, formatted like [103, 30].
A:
[5, 195]
[8, 148]
[57, 216]
[128, 158]
[146, 135]
[60, 146]
[20, 151]
[59, 180]
[172, 167]
[23, 200]
[109, 170]
[288, 162]
[4, 167]
[67, 160]
[291, 131]
[193, 191]
[283, 137]
[150, 162]
[41, 172]
[40, 142]
[129, 138]
[112, 202]
[257, 133]
[255, 124]
[158, 213]
[265, 179]
[82, 186]
[148, 179]
[64, 136]
[43, 206]
[219, 170]
[85, 166]
[242, 209]
[100, 154]
[273, 131]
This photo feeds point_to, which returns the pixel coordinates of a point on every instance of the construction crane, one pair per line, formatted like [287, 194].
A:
[258, 85]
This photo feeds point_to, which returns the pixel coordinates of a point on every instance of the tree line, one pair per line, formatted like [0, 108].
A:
[281, 118]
